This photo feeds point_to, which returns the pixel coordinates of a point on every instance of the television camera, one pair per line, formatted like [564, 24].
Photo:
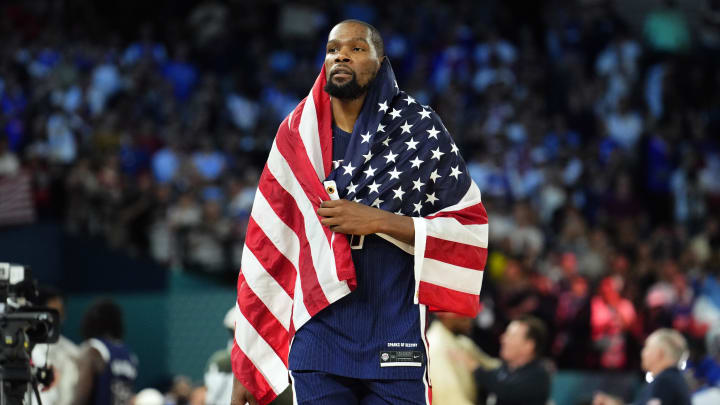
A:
[22, 325]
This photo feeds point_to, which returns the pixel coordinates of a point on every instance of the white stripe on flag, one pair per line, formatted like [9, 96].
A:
[310, 135]
[266, 288]
[281, 235]
[266, 361]
[300, 313]
[450, 229]
[453, 277]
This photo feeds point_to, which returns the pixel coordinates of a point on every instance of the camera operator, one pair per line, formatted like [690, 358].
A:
[61, 356]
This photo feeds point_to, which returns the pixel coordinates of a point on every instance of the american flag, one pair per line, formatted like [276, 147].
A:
[400, 158]
[16, 201]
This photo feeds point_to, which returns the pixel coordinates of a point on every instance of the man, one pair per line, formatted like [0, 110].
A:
[107, 367]
[662, 354]
[218, 373]
[357, 157]
[522, 378]
[62, 356]
[453, 384]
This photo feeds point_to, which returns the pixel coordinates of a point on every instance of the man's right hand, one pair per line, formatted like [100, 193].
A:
[240, 395]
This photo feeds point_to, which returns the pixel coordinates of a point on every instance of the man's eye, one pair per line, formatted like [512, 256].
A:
[357, 48]
[330, 50]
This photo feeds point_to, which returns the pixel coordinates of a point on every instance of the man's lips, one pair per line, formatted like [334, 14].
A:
[341, 72]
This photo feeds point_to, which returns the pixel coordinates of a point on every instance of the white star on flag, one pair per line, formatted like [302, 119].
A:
[412, 144]
[417, 206]
[395, 113]
[386, 142]
[416, 162]
[433, 132]
[336, 163]
[434, 175]
[454, 149]
[417, 184]
[409, 100]
[381, 128]
[383, 106]
[424, 114]
[351, 188]
[390, 157]
[436, 153]
[349, 168]
[367, 156]
[406, 127]
[431, 198]
[377, 202]
[394, 173]
[373, 187]
[398, 193]
[455, 172]
[370, 171]
[365, 137]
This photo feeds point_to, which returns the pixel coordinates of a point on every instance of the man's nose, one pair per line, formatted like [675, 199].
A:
[342, 55]
[342, 58]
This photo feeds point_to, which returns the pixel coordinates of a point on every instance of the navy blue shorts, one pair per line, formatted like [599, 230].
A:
[316, 387]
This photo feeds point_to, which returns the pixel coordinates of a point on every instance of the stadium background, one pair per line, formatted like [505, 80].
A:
[133, 134]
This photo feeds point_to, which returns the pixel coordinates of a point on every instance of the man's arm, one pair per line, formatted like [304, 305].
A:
[90, 363]
[240, 394]
[357, 219]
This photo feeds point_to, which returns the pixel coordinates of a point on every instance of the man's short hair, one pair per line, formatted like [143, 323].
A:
[536, 331]
[103, 319]
[375, 37]
[674, 343]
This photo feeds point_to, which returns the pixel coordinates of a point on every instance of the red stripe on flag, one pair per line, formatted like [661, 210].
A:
[262, 319]
[438, 298]
[472, 215]
[274, 262]
[284, 205]
[343, 261]
[455, 253]
[291, 147]
[250, 377]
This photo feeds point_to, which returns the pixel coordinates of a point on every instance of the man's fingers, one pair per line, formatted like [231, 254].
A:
[326, 212]
[329, 222]
[331, 203]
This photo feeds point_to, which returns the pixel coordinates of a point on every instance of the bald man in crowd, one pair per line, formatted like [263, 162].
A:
[664, 351]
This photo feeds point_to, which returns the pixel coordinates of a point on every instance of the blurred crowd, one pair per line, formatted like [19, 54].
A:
[588, 132]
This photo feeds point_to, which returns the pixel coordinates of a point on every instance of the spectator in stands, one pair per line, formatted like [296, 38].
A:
[107, 366]
[612, 317]
[663, 356]
[9, 163]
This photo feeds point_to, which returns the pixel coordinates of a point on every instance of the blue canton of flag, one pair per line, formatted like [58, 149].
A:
[400, 157]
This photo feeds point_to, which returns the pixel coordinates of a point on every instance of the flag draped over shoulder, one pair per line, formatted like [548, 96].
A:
[401, 159]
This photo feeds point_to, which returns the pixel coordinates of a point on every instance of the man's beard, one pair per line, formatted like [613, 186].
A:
[350, 90]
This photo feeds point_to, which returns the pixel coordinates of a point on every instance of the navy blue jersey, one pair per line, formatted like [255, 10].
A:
[375, 331]
[115, 384]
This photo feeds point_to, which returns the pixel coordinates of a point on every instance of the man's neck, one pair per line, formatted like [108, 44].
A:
[345, 112]
[660, 368]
